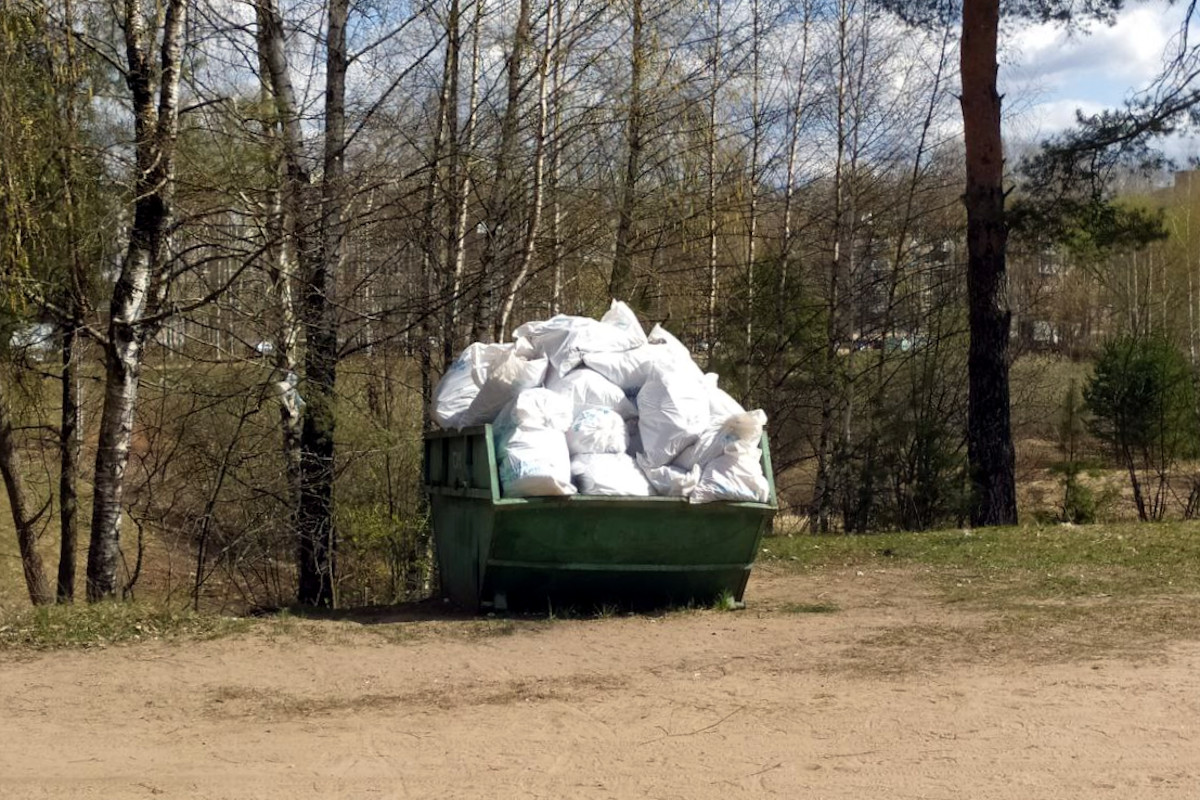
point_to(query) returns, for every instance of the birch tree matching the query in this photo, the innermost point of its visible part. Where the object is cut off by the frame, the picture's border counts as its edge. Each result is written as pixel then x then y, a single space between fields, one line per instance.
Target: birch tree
pixel 153 50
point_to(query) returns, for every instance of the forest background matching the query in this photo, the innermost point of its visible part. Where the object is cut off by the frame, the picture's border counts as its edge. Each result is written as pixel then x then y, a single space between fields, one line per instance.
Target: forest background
pixel 242 240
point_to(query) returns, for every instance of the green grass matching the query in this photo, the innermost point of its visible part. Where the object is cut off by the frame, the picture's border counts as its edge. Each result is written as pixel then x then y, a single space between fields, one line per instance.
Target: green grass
pixel 1111 560
pixel 725 602
pixel 809 608
pixel 103 624
pixel 1039 594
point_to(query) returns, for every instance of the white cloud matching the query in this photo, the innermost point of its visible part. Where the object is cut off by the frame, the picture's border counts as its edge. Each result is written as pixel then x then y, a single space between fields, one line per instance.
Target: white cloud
pixel 1046 118
pixel 1047 73
pixel 1101 64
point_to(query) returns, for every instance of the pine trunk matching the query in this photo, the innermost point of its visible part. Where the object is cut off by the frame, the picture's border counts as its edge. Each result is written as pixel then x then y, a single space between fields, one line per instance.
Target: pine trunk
pixel 989 434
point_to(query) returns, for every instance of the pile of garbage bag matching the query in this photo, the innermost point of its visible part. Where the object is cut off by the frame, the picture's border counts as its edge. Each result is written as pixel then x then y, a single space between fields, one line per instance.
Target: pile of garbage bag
pixel 599 407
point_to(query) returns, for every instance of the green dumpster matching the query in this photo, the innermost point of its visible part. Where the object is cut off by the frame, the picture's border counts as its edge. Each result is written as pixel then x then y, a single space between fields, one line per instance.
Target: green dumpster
pixel 579 551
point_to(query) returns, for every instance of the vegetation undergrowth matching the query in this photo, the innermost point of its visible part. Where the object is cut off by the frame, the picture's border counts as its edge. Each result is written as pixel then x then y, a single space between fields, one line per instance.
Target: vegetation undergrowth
pixel 110 623
pixel 1036 563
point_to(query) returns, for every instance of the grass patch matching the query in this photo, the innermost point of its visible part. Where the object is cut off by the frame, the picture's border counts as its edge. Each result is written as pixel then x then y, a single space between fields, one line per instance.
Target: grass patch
pixel 1055 593
pixel 103 624
pixel 809 608
pixel 1120 560
pixel 725 601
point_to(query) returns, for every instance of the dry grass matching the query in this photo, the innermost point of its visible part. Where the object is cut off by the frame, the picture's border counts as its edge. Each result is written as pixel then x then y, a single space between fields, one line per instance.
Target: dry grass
pixel 1037 594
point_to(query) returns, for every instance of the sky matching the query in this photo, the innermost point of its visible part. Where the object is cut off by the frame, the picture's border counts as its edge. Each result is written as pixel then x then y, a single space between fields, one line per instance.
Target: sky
pixel 1047 73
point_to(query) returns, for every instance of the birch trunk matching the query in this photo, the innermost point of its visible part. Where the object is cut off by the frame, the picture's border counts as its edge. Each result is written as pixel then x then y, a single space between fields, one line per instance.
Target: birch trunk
pixel 141 284
pixel 752 234
pixel 497 251
pixel 283 357
pixel 797 109
pixel 529 244
pixel 281 224
pixel 460 203
pixel 431 252
pixel 710 327
pixel 555 147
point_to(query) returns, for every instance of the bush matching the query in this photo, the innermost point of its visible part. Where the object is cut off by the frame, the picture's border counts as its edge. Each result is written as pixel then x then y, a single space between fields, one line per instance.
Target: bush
pixel 1079 503
pixel 1142 402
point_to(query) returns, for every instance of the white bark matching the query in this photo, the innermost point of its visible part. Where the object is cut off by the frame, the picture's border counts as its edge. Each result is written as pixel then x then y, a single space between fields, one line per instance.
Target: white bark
pixel 752 234
pixel 460 203
pixel 141 285
pixel 714 78
pixel 555 146
pixel 529 245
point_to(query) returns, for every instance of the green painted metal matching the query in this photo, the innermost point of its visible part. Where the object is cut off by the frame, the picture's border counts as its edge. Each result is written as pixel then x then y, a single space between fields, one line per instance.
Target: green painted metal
pixel 555 551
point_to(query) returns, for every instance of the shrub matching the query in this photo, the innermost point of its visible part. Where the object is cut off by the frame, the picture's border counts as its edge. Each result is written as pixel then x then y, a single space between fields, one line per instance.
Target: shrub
pixel 1142 402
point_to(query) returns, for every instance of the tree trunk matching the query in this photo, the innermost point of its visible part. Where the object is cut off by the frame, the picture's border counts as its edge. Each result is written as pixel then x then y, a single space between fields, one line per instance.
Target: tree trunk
pixel 752 233
pixel 555 147
pixel 68 474
pixel 75 310
pixel 497 248
pixel 40 593
pixel 989 435
pixel 787 245
pixel 283 220
pixel 123 366
pixel 460 203
pixel 317 538
pixel 620 285
pixel 431 252
pixel 141 284
pixel 710 315
pixel 824 487
pixel 529 242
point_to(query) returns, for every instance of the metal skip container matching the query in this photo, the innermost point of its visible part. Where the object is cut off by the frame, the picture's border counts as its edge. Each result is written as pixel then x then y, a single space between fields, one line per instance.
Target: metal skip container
pixel 539 552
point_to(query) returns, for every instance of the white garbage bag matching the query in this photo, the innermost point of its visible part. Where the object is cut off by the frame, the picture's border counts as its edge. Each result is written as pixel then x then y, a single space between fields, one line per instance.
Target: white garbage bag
pixel 531 445
pixel 597 430
pixel 672 413
pixel 566 339
pixel 680 355
pixel 634 437
pixel 669 480
pixel 721 403
pixel 587 388
pixel 621 316
pixel 719 437
pixel 535 464
pixel 534 408
pixel 460 384
pixel 609 474
pixel 508 378
pixel 736 476
pixel 630 369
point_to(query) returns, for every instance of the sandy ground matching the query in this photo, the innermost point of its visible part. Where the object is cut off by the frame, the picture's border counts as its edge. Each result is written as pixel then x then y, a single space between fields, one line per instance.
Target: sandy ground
pixel 874 700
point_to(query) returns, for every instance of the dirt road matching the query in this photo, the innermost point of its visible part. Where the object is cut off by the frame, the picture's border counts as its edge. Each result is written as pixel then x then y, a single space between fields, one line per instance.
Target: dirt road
pixel 889 694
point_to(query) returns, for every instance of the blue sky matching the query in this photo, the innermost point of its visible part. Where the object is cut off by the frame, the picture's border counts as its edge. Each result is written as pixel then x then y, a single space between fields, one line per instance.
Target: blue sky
pixel 1047 73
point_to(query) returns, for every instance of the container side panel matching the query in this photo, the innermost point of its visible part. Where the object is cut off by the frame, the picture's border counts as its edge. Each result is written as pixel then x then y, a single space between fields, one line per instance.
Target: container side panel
pixel 674 534
pixel 539 588
pixel 459 525
pixel 481 474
